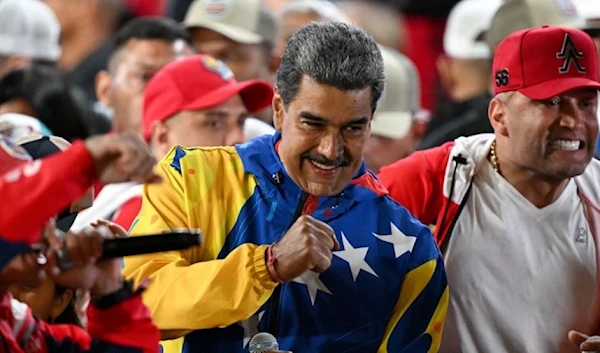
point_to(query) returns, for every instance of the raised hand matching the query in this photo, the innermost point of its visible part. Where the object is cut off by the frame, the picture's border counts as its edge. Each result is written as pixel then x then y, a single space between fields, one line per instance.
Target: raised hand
pixel 84 248
pixel 307 245
pixel 122 157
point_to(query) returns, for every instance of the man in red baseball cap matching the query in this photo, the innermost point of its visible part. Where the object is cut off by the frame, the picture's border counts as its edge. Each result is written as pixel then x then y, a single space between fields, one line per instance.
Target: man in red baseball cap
pixel 196 101
pixel 516 212
pixel 193 101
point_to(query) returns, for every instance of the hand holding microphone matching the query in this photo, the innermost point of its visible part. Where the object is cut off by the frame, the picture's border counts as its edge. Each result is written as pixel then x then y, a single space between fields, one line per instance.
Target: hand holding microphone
pixel 83 249
pixel 307 245
pixel 90 259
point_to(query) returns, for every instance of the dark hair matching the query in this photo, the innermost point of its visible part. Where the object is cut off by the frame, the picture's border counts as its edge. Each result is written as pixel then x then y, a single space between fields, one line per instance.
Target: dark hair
pixel 69 315
pixel 331 53
pixel 149 28
pixel 50 96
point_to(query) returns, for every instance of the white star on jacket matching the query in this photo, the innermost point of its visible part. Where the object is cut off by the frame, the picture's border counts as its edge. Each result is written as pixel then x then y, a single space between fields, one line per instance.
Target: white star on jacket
pixel 355 257
pixel 313 284
pixel 402 243
pixel 250 326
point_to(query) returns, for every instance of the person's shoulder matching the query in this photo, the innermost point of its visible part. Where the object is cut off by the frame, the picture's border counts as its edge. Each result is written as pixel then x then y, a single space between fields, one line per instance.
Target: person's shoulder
pixel 194 153
pixel 431 159
pixel 390 211
pixel 401 221
pixel 435 156
pixel 594 166
pixel 189 159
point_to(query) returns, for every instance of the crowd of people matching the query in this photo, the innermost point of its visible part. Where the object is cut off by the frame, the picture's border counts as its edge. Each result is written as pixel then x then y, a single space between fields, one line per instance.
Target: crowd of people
pixel 341 209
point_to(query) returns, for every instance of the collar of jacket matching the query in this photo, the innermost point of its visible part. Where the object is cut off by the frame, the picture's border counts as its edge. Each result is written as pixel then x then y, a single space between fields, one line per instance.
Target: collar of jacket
pixel 261 159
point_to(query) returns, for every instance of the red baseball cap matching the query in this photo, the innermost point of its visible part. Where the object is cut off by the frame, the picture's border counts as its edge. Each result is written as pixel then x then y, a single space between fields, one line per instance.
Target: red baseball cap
pixel 194 83
pixel 545 62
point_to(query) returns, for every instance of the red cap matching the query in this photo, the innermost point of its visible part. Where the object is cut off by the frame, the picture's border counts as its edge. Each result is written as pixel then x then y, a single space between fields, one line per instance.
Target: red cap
pixel 545 62
pixel 194 83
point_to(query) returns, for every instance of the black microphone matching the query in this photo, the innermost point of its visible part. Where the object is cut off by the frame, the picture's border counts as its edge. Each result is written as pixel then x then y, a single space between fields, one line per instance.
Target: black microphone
pixel 138 245
pixel 148 244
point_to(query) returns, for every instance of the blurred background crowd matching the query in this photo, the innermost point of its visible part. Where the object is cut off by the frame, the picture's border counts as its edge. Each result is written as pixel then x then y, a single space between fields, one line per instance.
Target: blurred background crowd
pixel 81 67
pixel 77 68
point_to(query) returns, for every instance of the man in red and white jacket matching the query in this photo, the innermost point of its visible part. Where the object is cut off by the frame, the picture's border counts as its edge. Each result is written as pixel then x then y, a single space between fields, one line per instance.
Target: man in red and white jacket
pixel 32 193
pixel 517 212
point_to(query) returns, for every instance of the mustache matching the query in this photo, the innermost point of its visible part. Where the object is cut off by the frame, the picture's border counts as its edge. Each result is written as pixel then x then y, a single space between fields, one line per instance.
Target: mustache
pixel 342 161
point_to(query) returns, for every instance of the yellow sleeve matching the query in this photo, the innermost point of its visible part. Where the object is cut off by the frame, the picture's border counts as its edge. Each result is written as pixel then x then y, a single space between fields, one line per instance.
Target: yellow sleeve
pixel 190 290
pixel 172 346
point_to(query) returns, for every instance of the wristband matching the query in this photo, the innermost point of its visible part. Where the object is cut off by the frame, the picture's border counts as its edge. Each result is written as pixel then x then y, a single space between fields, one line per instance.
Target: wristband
pixel 271 264
pixel 106 301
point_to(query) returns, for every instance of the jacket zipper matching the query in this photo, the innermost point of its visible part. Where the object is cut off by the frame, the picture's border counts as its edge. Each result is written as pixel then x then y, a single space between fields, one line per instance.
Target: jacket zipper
pixel 276 297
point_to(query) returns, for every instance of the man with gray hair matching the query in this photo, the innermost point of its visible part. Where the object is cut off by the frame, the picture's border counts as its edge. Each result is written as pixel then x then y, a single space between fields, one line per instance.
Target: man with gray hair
pixel 300 240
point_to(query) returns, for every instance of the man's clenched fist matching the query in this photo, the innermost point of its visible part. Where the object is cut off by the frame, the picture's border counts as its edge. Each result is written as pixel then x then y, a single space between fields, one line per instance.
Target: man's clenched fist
pixel 307 245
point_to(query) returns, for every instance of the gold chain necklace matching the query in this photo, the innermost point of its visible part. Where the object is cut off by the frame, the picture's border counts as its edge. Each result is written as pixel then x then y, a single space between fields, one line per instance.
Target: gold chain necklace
pixel 494 158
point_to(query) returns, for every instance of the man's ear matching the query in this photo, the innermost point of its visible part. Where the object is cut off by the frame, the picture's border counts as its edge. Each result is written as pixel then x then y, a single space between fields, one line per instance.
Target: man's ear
pixel 103 81
pixel 497 113
pixel 159 135
pixel 278 110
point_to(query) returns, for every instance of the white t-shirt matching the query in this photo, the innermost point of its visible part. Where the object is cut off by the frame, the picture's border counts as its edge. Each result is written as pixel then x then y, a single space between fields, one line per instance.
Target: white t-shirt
pixel 520 277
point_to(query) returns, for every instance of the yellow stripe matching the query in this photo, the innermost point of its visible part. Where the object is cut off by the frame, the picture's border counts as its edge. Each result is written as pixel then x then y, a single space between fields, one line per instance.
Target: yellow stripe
pixel 436 325
pixel 172 346
pixel 414 283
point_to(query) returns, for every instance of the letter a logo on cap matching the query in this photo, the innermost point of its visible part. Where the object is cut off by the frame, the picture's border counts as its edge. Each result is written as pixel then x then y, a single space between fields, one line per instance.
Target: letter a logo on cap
pixel 571 55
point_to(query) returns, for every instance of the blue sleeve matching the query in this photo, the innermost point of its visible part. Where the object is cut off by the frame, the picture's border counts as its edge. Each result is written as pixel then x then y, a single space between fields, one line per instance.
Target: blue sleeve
pixel 418 319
